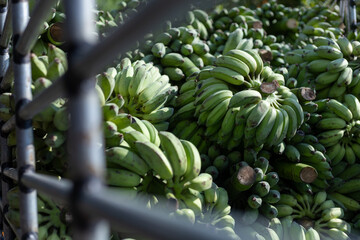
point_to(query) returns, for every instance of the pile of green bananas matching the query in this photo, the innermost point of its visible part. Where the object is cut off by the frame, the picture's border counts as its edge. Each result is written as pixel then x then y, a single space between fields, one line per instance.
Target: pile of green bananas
pixel 216 113
pixel 300 215
pixel 53 223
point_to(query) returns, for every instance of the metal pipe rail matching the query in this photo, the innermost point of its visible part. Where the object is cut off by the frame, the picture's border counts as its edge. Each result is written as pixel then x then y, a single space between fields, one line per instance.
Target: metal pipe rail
pixel 92 204
pixel 348 15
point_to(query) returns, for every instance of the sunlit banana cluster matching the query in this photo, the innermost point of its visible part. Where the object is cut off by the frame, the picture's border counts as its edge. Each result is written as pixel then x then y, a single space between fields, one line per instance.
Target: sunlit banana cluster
pixel 144 91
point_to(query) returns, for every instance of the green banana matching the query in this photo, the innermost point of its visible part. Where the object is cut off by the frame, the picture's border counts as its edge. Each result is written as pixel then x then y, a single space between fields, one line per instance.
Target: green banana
pixel 258 114
pixel 345 77
pixel 193 158
pixel 122 178
pixel 155 158
pixel 233 64
pixel 340 109
pixel 244 57
pixel 175 153
pixel 329 52
pixel 345 46
pixel 228 75
pixel 337 65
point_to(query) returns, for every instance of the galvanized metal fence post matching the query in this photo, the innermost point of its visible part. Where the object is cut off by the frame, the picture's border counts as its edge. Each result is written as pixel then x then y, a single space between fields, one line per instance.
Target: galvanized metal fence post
pixel 3 11
pixel 5 155
pixel 6 31
pixel 85 138
pixel 25 149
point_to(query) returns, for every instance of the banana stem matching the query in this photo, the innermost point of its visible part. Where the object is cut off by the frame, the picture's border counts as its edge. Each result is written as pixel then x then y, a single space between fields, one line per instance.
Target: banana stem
pixel 44 210
pixel 318 222
pixel 298 216
pixel 44 219
pixel 321 225
pixel 307 205
pixel 298 206
pixel 313 208
pixel 62 230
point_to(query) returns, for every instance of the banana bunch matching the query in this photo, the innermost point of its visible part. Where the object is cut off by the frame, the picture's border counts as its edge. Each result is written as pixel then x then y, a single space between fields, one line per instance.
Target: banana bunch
pixel 216 211
pixel 179 52
pixel 302 159
pixel 232 120
pixel 344 194
pixel 166 166
pixel 337 129
pixel 256 229
pixel 285 22
pixel 268 115
pixel 230 19
pixel 51 218
pixel 49 66
pixel 139 90
pixel 160 164
pixel 253 188
pixel 324 66
pixel 310 217
pixel 235 28
pixel 236 40
pixel 345 190
pixel 177 162
pixel 327 23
